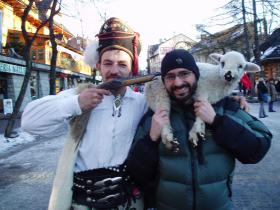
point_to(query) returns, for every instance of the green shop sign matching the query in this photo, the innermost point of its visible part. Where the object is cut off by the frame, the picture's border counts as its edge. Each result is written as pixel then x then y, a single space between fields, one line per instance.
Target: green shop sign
pixel 10 68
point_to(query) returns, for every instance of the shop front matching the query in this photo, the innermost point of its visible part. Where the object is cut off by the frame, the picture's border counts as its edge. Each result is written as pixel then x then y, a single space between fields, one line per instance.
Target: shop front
pixel 3 91
pixel 11 77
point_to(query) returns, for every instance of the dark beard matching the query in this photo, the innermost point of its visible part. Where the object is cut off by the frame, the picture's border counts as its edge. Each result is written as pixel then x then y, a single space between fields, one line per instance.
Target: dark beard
pixel 188 99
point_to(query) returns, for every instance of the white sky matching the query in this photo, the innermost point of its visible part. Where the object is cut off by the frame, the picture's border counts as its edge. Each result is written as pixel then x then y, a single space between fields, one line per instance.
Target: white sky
pixel 153 19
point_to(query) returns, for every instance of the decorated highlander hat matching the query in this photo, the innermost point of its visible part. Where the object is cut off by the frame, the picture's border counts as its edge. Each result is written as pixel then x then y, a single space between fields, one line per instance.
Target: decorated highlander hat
pixel 114 34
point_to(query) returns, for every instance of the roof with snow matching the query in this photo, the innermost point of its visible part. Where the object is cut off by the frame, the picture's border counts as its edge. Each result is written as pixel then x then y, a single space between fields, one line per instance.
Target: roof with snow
pixel 272 40
pixel 272 53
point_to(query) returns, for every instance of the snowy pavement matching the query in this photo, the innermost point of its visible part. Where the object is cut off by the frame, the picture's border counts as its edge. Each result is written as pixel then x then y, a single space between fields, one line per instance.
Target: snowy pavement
pixel 27 173
pixel 7 144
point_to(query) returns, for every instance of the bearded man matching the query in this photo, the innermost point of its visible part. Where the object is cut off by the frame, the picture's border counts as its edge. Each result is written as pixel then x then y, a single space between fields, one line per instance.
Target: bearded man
pixel 199 177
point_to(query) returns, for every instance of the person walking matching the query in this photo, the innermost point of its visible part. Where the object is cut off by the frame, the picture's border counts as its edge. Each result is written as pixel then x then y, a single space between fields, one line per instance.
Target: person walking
pixel 273 94
pixel 261 90
pixel 277 86
pixel 100 125
pixel 196 177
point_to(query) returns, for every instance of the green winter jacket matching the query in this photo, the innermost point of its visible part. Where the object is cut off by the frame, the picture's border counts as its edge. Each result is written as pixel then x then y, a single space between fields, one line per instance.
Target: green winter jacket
pixel 197 178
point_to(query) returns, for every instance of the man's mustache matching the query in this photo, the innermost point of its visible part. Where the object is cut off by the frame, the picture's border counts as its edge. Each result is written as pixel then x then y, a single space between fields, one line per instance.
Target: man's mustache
pixel 181 86
pixel 114 76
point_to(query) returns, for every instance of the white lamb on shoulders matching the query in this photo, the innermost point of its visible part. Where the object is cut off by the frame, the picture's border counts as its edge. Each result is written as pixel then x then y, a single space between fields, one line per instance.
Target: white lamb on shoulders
pixel 215 82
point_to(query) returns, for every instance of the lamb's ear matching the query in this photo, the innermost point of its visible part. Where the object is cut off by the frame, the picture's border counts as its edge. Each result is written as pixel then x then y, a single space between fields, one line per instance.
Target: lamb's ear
pixel 216 57
pixel 251 67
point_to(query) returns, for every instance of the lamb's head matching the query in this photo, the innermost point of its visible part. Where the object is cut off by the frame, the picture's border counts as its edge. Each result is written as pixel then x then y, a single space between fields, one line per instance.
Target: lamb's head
pixel 232 66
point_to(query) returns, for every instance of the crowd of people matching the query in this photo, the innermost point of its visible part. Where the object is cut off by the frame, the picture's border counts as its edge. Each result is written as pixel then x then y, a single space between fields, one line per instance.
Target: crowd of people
pixel 113 157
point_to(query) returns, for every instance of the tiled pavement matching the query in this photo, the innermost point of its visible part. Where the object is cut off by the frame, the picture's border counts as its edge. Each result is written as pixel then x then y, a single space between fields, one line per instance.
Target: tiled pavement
pixel 257 187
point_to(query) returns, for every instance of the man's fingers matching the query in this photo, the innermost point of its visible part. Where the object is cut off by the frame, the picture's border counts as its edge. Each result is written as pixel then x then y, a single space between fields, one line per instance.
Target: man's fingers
pixel 97 96
pixel 100 91
pixel 160 110
pixel 91 97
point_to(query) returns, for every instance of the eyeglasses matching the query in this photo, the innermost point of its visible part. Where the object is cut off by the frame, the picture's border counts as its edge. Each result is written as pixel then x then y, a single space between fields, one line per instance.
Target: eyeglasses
pixel 170 77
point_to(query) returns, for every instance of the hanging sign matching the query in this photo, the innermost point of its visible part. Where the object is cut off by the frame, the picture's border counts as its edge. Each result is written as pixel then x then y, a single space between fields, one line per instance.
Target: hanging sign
pixel 10 68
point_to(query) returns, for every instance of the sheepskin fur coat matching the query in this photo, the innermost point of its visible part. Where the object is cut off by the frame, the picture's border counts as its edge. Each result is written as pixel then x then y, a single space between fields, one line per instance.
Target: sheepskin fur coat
pixel 61 195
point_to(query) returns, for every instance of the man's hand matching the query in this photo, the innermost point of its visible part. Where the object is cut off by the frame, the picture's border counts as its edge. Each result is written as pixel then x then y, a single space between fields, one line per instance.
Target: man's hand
pixel 160 118
pixel 204 111
pixel 91 97
pixel 242 102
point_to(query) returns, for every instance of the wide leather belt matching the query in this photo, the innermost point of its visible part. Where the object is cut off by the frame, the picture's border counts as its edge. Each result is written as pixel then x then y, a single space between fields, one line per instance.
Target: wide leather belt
pixel 104 188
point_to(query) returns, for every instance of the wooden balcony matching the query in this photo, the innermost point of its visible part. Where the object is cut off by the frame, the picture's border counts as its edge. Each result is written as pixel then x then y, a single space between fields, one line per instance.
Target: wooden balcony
pixel 18 7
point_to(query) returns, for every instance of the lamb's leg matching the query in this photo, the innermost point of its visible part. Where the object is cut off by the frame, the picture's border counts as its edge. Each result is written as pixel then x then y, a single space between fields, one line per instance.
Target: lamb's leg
pixel 197 132
pixel 200 128
pixel 168 139
pixel 158 98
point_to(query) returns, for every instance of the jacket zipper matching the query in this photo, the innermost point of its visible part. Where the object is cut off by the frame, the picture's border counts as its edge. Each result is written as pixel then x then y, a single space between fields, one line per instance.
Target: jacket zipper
pixel 193 175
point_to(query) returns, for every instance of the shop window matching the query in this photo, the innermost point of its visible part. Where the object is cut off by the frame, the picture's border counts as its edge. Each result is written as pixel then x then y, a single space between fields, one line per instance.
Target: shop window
pixel 16 45
pixel 34 55
pixel 33 86
pixel 3 91
pixel 14 38
pixel 49 55
pixel 57 85
pixel 41 54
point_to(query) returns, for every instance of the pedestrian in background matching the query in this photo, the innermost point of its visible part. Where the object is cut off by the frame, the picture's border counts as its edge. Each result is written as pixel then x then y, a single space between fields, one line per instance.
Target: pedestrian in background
pixel 277 85
pixel 197 177
pixel 273 94
pixel 90 173
pixel 261 90
pixel 246 84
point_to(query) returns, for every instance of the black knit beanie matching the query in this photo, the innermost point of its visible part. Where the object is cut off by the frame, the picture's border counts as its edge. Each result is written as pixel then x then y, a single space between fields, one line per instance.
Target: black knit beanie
pixel 178 58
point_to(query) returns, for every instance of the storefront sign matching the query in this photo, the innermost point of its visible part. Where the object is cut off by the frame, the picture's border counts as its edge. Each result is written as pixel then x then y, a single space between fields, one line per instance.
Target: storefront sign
pixel 10 68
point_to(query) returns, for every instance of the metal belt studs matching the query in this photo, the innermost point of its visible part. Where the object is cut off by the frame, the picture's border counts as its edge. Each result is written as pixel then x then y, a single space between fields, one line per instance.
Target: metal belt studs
pixel 108 182
pixel 106 189
pixel 109 198
pixel 117 106
pixel 105 192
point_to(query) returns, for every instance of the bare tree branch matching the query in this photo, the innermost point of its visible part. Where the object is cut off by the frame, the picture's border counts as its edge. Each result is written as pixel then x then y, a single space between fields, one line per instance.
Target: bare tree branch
pixel 54 47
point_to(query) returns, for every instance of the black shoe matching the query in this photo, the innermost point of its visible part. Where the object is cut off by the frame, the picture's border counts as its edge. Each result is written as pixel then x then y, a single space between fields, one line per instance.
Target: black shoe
pixel 272 111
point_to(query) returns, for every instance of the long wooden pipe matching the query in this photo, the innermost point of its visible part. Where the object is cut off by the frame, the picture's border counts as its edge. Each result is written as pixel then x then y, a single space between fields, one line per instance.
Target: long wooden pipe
pixel 121 82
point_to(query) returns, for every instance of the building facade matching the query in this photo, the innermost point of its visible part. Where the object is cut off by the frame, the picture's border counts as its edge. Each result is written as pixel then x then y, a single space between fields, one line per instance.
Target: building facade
pixel 70 66
pixel 270 55
pixel 157 52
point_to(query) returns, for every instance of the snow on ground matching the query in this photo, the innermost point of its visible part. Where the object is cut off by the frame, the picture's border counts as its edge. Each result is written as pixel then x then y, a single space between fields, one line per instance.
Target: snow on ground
pixel 8 143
